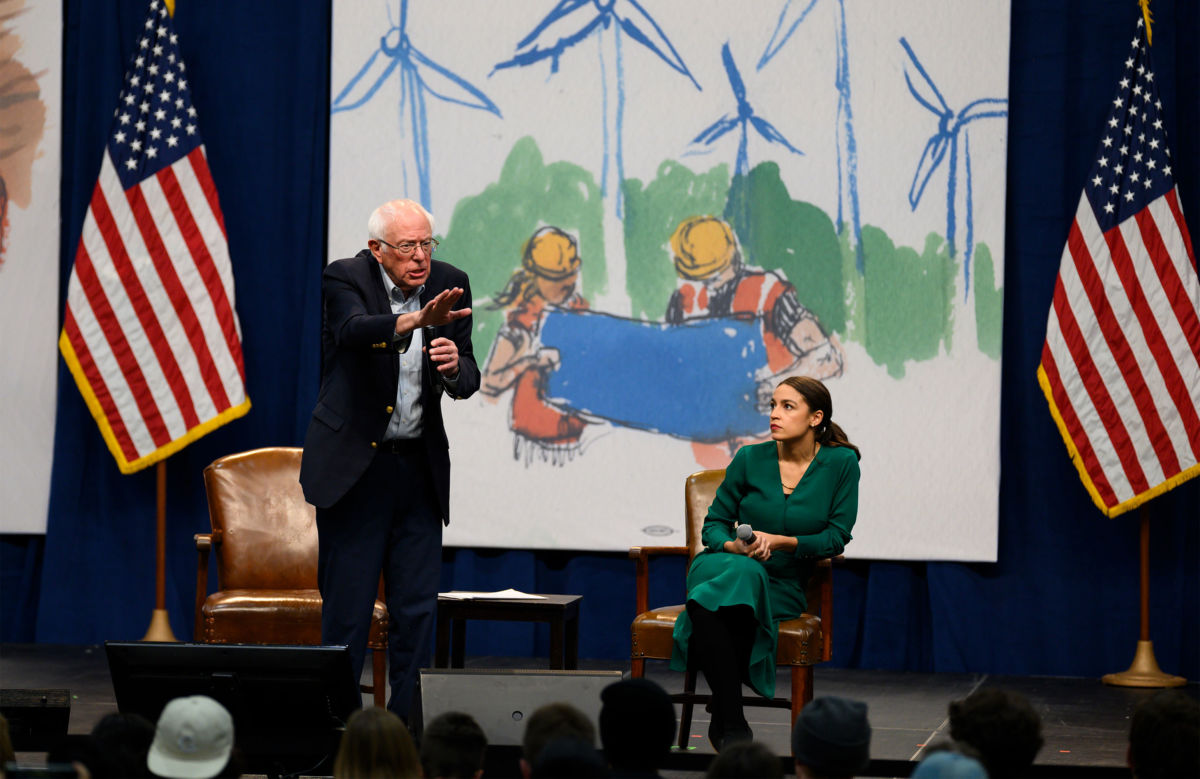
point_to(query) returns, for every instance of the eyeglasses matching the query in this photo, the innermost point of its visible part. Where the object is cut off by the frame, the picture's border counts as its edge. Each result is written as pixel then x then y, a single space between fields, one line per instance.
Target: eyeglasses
pixel 406 248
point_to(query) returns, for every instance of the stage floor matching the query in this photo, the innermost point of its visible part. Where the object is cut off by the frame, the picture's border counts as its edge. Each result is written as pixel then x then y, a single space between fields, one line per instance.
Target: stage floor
pixel 1085 723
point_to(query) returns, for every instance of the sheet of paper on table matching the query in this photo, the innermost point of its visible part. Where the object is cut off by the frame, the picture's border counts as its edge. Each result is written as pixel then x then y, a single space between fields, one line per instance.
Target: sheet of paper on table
pixel 501 595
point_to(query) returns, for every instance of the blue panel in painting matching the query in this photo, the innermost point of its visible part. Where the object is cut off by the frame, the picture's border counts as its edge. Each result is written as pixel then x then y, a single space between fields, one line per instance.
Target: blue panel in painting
pixel 694 380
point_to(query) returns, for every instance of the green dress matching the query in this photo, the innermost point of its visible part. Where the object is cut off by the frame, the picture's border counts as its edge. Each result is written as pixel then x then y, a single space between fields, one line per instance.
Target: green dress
pixel 820 513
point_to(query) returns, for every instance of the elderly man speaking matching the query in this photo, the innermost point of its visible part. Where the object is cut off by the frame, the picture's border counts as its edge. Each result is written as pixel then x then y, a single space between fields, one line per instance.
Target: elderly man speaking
pixel 396 336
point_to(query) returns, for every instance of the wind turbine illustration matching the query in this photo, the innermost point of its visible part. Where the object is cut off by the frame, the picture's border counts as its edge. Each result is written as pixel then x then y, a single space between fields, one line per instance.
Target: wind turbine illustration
pixel 742 118
pixel 569 23
pixel 790 19
pixel 950 126
pixel 419 76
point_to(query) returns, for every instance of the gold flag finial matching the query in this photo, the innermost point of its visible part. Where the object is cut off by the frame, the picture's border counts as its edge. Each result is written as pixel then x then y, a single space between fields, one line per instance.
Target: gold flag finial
pixel 170 4
pixel 1145 4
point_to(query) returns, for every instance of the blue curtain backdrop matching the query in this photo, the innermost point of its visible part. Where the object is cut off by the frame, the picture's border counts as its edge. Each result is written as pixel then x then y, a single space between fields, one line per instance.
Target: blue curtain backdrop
pixel 1063 598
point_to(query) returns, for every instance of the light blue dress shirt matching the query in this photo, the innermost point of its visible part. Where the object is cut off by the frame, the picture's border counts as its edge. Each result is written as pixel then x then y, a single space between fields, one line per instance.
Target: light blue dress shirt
pixel 406 415
pixel 405 421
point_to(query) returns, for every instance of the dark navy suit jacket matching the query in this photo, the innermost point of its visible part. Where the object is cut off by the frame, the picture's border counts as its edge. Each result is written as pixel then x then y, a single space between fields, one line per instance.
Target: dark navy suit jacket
pixel 359 375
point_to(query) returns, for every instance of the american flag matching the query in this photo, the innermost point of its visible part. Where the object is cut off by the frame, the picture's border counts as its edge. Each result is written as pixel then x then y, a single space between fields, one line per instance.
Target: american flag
pixel 1121 363
pixel 150 332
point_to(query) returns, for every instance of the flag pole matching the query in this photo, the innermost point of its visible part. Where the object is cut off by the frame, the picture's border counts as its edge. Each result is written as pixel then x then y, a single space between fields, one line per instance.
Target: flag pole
pixel 1144 672
pixel 193 339
pixel 160 622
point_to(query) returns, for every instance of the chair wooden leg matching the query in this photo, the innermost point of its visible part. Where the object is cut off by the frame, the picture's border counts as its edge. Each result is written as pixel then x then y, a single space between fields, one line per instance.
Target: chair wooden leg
pixel 802 688
pixel 685 716
pixel 379 679
pixel 637 668
pixel 379 676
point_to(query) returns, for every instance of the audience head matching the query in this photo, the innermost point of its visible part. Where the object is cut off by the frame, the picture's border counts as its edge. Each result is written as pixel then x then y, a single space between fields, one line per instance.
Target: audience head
pixel 192 740
pixel 376 745
pixel 1164 736
pixel 568 757
pixel 949 764
pixel 125 740
pixel 553 722
pixel 1002 726
pixel 832 738
pixel 637 724
pixel 453 747
pixel 745 760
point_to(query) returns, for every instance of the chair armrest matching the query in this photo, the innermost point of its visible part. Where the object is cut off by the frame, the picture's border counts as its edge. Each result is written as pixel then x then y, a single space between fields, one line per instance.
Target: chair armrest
pixel 204 543
pixel 641 556
pixel 653 551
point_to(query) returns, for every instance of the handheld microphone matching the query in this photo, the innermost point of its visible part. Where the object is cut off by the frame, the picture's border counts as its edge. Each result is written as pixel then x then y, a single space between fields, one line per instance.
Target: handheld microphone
pixel 745 534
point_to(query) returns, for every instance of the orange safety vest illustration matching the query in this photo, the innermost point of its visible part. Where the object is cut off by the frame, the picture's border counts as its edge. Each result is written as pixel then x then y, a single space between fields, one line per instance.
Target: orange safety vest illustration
pixel 755 293
pixel 532 416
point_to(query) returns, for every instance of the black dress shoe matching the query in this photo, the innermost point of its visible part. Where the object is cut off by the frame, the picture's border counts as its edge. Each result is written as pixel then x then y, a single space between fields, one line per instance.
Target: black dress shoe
pixel 734 735
pixel 720 737
pixel 716 733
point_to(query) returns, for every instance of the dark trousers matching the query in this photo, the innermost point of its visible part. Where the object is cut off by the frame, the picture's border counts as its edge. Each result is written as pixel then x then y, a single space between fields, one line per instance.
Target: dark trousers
pixel 387 523
pixel 720 649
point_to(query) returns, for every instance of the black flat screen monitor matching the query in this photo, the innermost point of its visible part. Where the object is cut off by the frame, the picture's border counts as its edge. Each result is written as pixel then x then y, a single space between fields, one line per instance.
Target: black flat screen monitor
pixel 289 703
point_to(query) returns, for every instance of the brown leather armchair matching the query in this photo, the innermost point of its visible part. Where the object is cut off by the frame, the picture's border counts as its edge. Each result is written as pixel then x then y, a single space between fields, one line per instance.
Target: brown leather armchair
pixel 264 535
pixel 803 641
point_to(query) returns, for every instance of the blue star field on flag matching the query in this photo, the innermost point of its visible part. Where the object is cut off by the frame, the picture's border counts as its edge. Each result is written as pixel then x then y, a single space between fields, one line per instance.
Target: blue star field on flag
pixel 155 121
pixel 1133 165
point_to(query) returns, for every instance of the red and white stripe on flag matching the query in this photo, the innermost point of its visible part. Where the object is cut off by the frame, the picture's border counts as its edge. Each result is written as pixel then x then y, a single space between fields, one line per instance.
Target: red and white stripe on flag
pixel 150 332
pixel 1121 363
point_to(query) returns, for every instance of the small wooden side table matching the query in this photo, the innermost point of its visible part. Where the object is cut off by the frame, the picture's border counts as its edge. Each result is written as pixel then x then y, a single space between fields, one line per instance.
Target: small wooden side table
pixel 561 611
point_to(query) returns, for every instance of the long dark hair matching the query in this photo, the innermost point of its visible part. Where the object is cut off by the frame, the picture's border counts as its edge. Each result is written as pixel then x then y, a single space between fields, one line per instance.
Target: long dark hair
pixel 816 395
pixel 376 744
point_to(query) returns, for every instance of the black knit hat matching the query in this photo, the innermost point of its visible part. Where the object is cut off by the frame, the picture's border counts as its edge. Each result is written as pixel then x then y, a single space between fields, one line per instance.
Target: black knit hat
pixel 832 736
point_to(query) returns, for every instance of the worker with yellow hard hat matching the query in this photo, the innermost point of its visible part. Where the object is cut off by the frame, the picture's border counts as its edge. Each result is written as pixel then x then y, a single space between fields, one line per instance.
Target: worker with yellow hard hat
pixel 703 246
pixel 549 269
pixel 713 281
pixel 548 277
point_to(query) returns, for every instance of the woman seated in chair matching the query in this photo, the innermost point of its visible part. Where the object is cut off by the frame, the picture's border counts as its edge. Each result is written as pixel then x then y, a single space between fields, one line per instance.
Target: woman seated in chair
pixel 799 494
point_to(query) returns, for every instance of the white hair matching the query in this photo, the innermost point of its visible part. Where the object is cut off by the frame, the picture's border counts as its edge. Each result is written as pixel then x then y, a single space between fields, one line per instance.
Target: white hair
pixel 381 217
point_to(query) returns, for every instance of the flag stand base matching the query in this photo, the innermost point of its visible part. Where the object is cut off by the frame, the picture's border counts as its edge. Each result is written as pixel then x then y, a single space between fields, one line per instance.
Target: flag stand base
pixel 160 628
pixel 1144 672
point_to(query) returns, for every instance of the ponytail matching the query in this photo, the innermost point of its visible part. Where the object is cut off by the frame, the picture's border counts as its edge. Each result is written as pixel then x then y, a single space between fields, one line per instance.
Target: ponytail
pixel 521 285
pixel 830 433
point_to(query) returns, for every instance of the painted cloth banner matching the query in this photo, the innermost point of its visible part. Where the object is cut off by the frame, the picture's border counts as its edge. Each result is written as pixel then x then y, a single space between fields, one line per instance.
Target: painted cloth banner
pixel 31 115
pixel 150 332
pixel 1121 364
pixel 667 206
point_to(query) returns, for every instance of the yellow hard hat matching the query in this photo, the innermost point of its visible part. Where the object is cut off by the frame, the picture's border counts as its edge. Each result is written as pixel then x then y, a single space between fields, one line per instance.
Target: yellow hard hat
pixel 703 245
pixel 551 254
